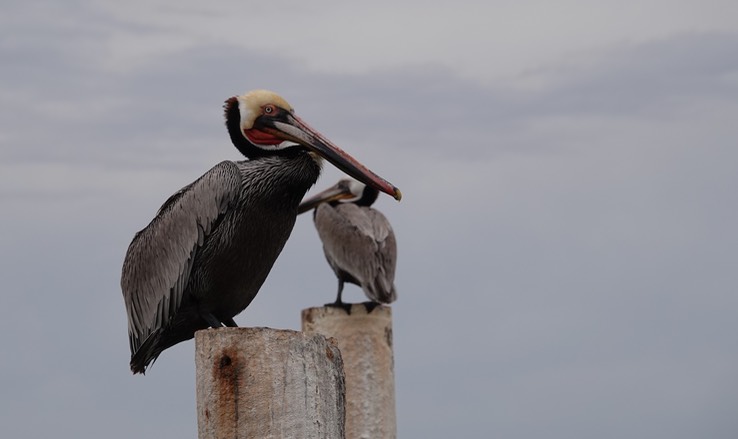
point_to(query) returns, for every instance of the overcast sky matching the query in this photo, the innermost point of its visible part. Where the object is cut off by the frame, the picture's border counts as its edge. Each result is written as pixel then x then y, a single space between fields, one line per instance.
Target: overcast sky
pixel 568 253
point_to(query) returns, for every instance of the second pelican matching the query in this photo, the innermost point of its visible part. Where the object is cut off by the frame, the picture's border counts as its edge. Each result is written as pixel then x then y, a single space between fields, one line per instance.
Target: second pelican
pixel 358 241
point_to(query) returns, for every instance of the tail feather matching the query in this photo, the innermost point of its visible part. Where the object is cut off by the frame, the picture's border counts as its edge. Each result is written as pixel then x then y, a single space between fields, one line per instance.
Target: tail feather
pixel 147 353
pixel 381 291
pixel 182 328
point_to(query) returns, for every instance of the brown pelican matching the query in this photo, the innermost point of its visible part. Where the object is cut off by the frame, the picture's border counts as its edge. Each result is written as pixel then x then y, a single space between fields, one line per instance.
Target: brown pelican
pixel 211 245
pixel 358 241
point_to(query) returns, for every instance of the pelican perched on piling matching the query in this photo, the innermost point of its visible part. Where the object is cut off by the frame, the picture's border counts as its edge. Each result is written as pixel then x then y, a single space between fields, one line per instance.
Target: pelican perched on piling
pixel 211 245
pixel 358 241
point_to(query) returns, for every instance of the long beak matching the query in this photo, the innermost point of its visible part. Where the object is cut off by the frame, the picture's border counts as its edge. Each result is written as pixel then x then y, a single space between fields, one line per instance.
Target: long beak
pixel 333 193
pixel 295 130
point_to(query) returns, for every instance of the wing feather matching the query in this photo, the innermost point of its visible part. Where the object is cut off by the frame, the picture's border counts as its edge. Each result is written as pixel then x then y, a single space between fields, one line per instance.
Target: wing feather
pixel 360 241
pixel 159 260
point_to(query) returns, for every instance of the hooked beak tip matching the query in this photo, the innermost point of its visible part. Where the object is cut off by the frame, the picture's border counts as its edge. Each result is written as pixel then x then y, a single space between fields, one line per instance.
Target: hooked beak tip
pixel 398 194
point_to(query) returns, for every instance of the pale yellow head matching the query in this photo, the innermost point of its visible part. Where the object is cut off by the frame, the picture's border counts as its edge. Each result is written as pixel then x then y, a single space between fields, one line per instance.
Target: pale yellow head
pixel 259 102
pixel 262 123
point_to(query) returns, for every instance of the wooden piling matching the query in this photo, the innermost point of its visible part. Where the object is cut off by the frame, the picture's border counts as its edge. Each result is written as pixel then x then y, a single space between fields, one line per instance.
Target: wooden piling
pixel 365 340
pixel 268 383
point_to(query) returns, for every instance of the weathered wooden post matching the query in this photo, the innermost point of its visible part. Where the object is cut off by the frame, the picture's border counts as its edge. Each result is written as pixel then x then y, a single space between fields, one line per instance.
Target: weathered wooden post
pixel 268 383
pixel 365 340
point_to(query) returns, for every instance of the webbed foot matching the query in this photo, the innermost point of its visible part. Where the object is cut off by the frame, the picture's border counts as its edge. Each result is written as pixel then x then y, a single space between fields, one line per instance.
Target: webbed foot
pixel 370 306
pixel 337 304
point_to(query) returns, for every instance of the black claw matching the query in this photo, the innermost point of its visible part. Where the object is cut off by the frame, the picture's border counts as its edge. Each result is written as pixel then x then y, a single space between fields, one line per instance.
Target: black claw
pixel 211 320
pixel 345 306
pixel 230 323
pixel 370 306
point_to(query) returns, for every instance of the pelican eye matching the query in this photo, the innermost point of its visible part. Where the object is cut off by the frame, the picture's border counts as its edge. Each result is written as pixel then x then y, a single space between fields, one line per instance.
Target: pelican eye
pixel 269 109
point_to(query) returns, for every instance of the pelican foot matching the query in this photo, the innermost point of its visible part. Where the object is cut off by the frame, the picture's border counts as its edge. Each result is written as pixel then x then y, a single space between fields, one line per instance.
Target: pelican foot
pixel 344 306
pixel 211 320
pixel 370 306
pixel 230 323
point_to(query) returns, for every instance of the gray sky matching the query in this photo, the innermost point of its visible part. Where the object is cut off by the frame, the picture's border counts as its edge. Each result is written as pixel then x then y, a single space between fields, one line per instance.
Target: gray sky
pixel 568 249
